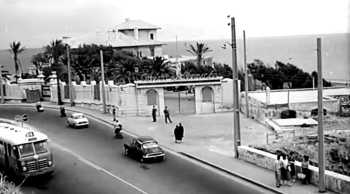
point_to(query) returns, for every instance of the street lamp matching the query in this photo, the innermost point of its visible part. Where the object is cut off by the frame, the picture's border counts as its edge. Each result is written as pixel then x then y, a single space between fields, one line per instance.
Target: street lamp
pixel 103 83
pixel 236 121
pixel 70 88
pixel 2 86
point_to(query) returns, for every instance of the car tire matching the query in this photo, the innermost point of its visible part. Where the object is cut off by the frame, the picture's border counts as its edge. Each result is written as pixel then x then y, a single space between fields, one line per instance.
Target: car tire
pixel 126 152
pixel 142 160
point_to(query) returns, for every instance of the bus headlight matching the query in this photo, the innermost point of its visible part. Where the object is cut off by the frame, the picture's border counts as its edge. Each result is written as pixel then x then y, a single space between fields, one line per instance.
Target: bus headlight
pixel 50 163
pixel 24 168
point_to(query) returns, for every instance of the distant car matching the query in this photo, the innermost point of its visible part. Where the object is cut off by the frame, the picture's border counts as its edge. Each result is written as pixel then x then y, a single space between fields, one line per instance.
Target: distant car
pixel 77 120
pixel 144 148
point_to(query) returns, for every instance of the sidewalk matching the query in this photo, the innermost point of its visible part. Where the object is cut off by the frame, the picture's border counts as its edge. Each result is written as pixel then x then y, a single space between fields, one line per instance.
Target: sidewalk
pixel 207 138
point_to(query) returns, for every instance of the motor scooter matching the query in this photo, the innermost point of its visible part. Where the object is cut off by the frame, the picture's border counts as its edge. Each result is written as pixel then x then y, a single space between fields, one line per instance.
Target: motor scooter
pixel 63 111
pixel 39 108
pixel 117 131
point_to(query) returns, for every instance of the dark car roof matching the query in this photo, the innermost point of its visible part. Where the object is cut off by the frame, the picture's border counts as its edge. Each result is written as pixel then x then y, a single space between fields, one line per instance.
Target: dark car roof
pixel 144 139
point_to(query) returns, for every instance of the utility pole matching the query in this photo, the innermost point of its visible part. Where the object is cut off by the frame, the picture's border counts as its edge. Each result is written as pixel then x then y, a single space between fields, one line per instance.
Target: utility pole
pixel 236 124
pixel 321 154
pixel 103 83
pixel 2 87
pixel 245 75
pixel 70 89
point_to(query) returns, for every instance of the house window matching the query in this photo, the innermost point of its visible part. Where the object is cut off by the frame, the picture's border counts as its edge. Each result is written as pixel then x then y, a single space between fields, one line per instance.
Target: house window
pixel 207 94
pixel 152 51
pixel 151 36
pixel 152 97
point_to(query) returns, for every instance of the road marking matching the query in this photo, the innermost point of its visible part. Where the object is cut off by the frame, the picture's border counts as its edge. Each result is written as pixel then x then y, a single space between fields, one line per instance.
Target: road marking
pixel 97 167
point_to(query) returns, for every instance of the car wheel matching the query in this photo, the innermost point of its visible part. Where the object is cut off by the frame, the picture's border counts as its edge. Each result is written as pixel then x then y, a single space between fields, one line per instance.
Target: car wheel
pixel 126 152
pixel 142 160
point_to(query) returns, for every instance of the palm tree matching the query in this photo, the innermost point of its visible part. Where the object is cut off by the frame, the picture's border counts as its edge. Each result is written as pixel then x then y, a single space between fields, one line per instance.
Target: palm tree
pixel 56 50
pixel 161 68
pixel 199 50
pixel 15 49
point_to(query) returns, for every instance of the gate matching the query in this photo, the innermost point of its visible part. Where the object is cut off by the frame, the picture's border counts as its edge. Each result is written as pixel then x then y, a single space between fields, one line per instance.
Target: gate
pixel 45 91
pixel 207 100
pixel 180 102
pixel 33 95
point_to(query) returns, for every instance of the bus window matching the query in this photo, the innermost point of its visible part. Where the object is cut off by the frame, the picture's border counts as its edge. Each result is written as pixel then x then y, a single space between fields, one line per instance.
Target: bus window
pixel 26 149
pixel 2 148
pixel 14 152
pixel 40 147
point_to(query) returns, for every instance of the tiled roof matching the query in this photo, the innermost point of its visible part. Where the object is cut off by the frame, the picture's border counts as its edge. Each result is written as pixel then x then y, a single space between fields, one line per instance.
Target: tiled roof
pixel 131 24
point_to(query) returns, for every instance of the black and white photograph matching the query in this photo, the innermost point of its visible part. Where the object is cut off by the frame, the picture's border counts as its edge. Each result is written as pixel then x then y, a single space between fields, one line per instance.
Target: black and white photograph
pixel 174 96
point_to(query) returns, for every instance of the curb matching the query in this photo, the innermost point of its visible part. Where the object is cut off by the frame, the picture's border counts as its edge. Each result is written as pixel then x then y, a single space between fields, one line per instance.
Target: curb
pixel 232 173
pixel 181 153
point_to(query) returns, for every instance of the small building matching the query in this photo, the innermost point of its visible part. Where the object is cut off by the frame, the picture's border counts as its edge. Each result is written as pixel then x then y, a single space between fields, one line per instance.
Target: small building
pixel 270 103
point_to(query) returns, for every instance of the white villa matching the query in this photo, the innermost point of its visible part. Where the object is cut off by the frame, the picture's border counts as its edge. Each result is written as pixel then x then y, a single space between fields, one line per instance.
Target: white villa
pixel 136 36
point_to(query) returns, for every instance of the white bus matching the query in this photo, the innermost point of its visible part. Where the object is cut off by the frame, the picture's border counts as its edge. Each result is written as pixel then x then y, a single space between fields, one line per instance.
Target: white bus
pixel 24 152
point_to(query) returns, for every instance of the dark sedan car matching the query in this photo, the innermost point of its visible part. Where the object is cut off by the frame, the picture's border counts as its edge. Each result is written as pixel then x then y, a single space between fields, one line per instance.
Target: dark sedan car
pixel 144 148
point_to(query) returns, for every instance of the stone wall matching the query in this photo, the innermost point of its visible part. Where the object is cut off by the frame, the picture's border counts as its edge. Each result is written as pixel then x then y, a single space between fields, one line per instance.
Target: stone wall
pixel 130 100
pixel 123 97
pixel 335 182
pixel 17 92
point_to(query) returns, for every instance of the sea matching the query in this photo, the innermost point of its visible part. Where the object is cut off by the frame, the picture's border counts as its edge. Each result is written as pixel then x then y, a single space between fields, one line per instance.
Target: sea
pixel 298 50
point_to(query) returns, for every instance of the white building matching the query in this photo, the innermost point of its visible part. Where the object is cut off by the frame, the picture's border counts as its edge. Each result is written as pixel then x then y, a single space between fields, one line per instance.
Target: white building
pixel 136 36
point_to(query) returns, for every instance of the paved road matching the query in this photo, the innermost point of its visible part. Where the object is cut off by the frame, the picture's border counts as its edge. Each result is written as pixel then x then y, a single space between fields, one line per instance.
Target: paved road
pixel 91 161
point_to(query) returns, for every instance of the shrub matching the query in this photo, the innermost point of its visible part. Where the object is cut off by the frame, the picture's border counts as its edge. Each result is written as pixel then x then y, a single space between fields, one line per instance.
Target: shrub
pixel 7 187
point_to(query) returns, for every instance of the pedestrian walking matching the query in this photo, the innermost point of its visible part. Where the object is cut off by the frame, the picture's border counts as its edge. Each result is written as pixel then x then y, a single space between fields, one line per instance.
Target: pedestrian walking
pixel 181 132
pixel 154 113
pixel 292 168
pixel 305 170
pixel 167 115
pixel 176 133
pixel 113 112
pixel 278 170
pixel 284 170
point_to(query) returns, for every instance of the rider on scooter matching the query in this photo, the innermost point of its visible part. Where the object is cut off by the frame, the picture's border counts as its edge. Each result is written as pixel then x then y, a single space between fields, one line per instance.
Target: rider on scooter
pixel 117 127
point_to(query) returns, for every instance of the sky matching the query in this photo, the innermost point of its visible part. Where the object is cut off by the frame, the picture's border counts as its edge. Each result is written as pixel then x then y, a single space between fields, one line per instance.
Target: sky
pixel 36 22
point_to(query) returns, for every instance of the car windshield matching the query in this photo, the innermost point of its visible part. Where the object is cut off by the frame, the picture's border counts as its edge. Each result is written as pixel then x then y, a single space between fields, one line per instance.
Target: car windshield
pixel 78 117
pixel 151 147
pixel 26 149
pixel 40 147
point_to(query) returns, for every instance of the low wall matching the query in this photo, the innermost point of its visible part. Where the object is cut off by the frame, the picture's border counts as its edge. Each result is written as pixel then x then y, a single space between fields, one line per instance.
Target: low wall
pixel 335 182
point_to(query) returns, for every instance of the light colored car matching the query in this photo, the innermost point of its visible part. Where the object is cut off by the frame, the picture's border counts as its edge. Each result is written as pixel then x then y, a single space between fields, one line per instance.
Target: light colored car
pixel 77 120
